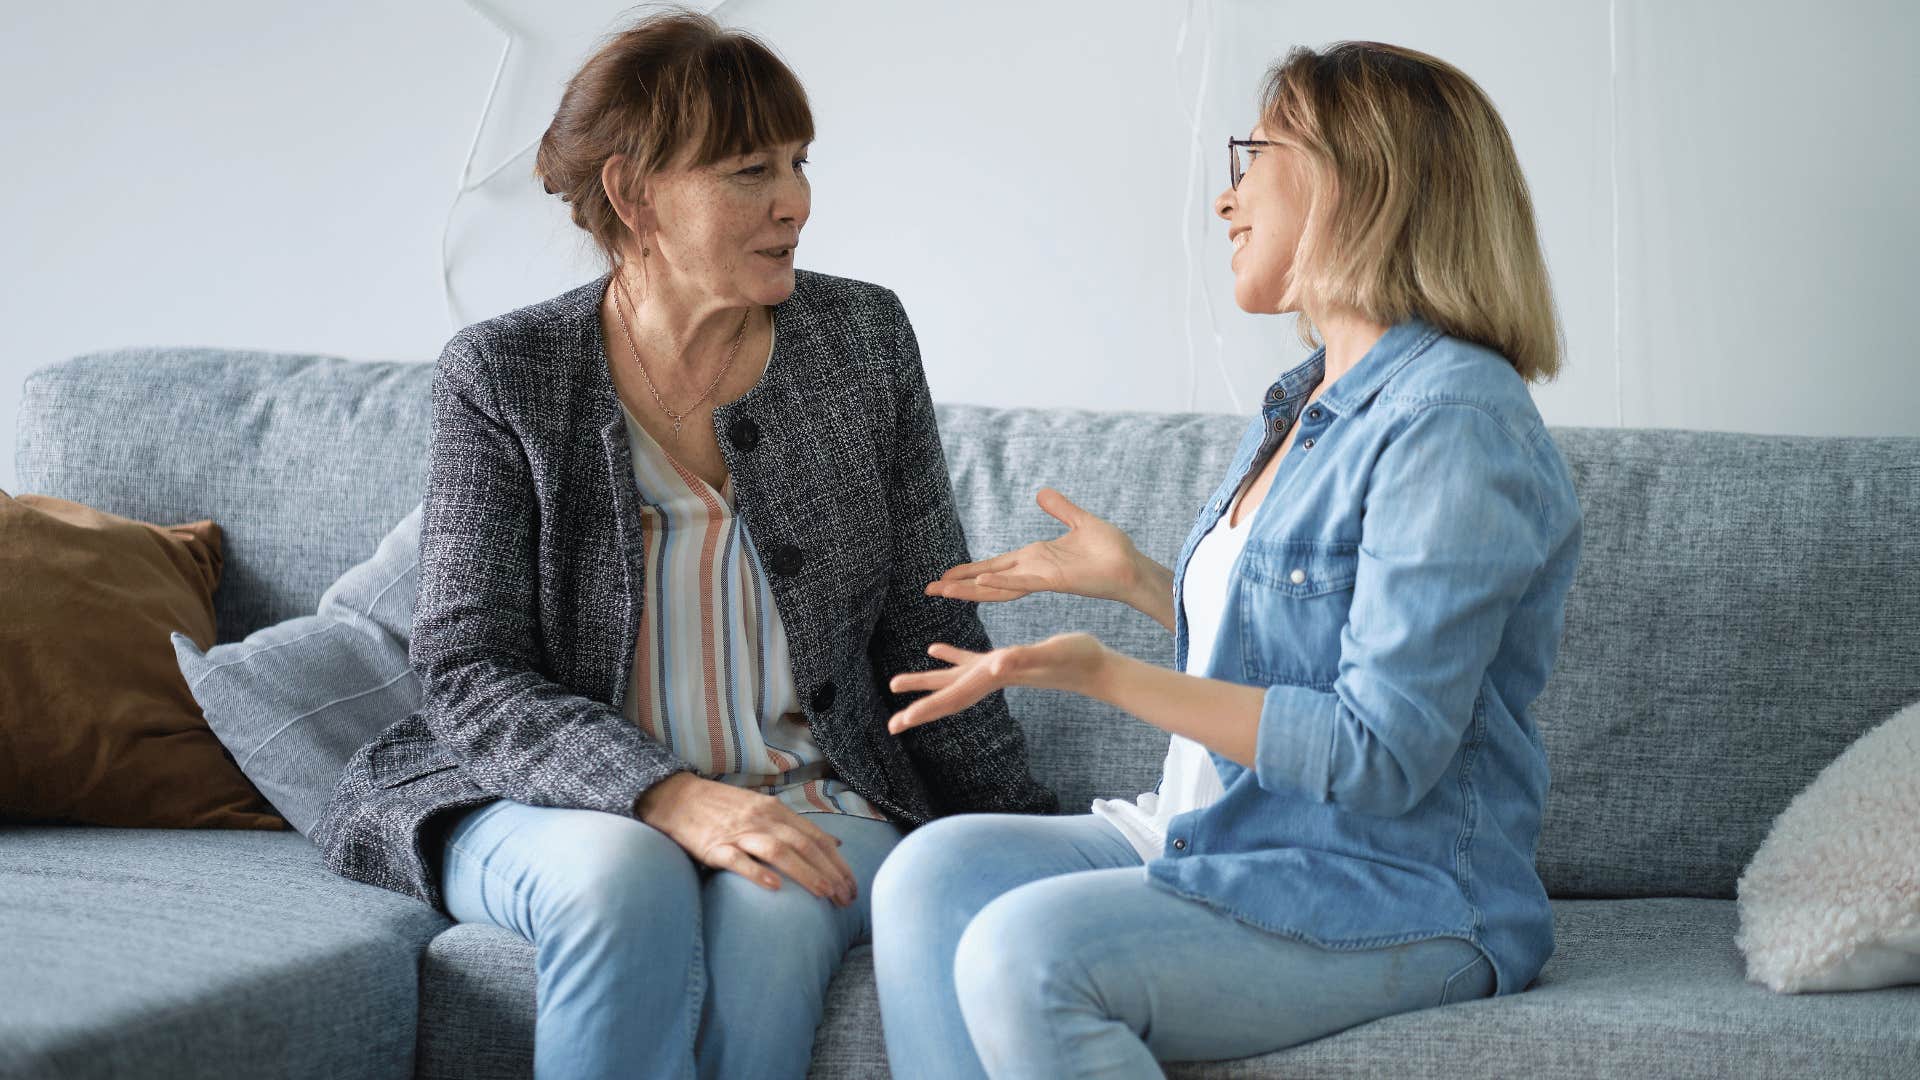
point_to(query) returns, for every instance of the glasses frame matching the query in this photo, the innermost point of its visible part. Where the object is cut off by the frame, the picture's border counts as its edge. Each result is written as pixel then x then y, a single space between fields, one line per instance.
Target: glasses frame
pixel 1234 174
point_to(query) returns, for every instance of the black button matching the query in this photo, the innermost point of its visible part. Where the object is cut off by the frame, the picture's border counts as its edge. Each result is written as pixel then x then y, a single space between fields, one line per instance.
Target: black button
pixel 744 433
pixel 1306 444
pixel 823 696
pixel 1179 845
pixel 785 560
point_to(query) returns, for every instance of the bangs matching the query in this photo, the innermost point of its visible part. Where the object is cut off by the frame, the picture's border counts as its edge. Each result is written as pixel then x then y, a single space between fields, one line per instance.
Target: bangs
pixel 750 101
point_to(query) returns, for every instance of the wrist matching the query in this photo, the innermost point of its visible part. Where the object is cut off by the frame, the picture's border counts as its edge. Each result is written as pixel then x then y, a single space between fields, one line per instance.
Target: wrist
pixel 1149 584
pixel 1101 672
pixel 657 800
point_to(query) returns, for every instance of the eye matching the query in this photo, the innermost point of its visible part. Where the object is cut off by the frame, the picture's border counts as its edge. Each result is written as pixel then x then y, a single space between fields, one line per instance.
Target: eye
pixel 800 164
pixel 752 170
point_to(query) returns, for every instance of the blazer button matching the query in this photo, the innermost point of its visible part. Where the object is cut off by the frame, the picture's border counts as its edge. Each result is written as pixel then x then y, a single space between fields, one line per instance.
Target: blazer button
pixel 744 433
pixel 823 696
pixel 785 560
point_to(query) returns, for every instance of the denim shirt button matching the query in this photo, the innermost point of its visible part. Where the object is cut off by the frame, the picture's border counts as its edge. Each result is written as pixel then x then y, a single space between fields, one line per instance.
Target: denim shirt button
pixel 1179 845
pixel 1306 444
pixel 1314 414
pixel 1298 577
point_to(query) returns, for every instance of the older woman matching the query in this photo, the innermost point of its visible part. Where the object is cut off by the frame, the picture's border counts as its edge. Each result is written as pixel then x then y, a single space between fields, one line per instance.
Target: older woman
pixel 677 524
pixel 1363 614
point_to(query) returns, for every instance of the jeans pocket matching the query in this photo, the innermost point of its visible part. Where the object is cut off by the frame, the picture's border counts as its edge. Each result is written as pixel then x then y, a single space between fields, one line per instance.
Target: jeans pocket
pixel 1470 983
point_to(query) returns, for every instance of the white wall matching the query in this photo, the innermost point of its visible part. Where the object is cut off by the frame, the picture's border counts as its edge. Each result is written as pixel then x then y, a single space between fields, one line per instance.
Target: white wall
pixel 1725 189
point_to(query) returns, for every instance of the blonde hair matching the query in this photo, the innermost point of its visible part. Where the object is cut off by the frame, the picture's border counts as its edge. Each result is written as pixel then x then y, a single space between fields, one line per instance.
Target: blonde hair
pixel 1417 203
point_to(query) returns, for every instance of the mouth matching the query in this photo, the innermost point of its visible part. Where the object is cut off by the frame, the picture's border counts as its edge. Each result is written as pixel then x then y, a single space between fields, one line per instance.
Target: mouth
pixel 784 253
pixel 1239 238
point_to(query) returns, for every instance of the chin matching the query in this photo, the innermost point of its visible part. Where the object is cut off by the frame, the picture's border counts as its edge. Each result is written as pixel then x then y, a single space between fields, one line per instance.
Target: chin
pixel 1257 294
pixel 1248 298
pixel 772 290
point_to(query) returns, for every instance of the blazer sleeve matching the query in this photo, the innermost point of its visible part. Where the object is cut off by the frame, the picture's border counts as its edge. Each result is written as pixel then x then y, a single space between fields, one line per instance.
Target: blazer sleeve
pixel 975 760
pixel 475 642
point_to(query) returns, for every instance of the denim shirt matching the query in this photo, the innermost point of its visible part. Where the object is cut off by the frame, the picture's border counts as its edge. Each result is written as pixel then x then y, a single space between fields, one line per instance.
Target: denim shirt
pixel 1400 599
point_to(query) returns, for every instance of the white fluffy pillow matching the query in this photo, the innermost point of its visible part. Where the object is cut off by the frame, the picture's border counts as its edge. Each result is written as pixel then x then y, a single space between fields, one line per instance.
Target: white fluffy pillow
pixel 1831 901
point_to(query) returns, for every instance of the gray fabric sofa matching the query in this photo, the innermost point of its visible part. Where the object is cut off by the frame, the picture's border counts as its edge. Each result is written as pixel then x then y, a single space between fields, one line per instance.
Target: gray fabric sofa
pixel 1746 607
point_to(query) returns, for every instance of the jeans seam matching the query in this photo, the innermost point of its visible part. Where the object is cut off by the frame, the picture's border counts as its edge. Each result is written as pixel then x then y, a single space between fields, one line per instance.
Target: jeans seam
pixel 696 989
pixel 486 869
pixel 1446 988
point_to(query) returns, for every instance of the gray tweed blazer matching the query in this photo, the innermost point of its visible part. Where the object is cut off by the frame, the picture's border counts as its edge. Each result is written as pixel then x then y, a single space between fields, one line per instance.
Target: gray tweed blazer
pixel 530 580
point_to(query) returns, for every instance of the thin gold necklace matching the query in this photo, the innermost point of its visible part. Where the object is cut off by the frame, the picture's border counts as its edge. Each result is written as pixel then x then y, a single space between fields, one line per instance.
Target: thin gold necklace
pixel 678 418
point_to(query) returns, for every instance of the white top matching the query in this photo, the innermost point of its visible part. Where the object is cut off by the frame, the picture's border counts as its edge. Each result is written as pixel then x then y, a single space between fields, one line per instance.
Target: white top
pixel 1188 780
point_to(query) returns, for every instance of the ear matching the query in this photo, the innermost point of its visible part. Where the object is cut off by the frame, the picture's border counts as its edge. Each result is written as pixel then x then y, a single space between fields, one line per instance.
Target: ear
pixel 631 202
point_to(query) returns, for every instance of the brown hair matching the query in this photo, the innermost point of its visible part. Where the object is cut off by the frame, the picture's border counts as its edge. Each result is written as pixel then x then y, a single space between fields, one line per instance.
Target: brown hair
pixel 1418 206
pixel 674 88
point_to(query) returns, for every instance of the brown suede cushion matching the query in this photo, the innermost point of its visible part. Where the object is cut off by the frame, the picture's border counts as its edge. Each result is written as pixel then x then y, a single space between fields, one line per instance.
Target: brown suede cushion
pixel 96 723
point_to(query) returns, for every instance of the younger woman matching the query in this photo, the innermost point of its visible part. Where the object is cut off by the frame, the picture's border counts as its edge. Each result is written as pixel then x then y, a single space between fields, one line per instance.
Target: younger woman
pixel 1362 615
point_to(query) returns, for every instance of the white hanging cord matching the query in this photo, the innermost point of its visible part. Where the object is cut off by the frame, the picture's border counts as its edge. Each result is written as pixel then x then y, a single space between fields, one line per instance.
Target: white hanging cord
pixel 467 182
pixel 1195 169
pixel 1613 179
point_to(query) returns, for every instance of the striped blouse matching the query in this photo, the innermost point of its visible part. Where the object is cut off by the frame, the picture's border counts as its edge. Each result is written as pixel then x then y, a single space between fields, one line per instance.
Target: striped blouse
pixel 711 677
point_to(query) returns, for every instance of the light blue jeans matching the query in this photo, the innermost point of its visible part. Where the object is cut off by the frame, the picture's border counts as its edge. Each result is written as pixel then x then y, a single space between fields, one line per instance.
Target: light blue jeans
pixel 1012 946
pixel 648 964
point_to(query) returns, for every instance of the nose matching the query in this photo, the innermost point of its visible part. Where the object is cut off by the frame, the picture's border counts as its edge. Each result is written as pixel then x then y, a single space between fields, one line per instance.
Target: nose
pixel 1224 205
pixel 793 200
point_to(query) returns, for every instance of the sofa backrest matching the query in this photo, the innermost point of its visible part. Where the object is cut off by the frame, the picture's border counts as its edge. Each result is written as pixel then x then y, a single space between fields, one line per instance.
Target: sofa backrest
pixel 1746 606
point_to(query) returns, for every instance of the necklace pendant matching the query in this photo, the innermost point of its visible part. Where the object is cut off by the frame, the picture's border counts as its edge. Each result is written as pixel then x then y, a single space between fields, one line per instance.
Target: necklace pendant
pixel 676 427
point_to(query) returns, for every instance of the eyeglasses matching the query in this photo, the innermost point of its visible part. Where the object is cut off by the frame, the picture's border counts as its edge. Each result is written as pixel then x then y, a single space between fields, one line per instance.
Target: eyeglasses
pixel 1235 170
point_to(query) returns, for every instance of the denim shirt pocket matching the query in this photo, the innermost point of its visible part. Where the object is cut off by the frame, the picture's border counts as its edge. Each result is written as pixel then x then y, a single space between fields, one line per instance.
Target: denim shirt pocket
pixel 1295 596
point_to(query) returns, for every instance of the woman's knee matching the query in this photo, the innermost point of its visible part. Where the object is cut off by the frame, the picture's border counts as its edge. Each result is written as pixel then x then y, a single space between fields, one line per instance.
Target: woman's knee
pixel 932 864
pixel 1017 954
pixel 624 875
pixel 786 926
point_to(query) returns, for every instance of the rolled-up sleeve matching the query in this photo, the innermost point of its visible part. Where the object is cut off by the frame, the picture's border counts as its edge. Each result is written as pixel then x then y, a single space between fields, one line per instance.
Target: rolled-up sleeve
pixel 1453 535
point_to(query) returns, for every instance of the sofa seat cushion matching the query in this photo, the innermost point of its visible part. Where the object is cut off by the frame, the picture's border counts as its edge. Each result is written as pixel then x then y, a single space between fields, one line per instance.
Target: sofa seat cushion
pixel 1635 988
pixel 173 953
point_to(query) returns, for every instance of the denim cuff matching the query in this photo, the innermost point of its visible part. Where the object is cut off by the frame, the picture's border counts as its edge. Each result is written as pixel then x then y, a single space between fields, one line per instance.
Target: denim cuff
pixel 1294 747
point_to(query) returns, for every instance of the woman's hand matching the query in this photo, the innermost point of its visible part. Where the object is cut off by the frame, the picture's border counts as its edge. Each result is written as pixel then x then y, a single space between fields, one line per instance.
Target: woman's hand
pixel 1092 559
pixel 750 834
pixel 1063 662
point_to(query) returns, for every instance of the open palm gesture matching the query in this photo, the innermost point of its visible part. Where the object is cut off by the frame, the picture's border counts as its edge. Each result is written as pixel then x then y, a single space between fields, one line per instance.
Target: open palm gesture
pixel 1062 662
pixel 1092 558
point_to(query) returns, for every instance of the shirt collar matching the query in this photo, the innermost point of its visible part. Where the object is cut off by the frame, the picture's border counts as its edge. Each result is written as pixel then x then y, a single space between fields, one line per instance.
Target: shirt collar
pixel 1399 345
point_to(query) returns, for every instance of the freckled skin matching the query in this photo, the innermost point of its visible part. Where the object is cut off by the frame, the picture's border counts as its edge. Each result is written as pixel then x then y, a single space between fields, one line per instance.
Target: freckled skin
pixel 702 228
pixel 708 220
